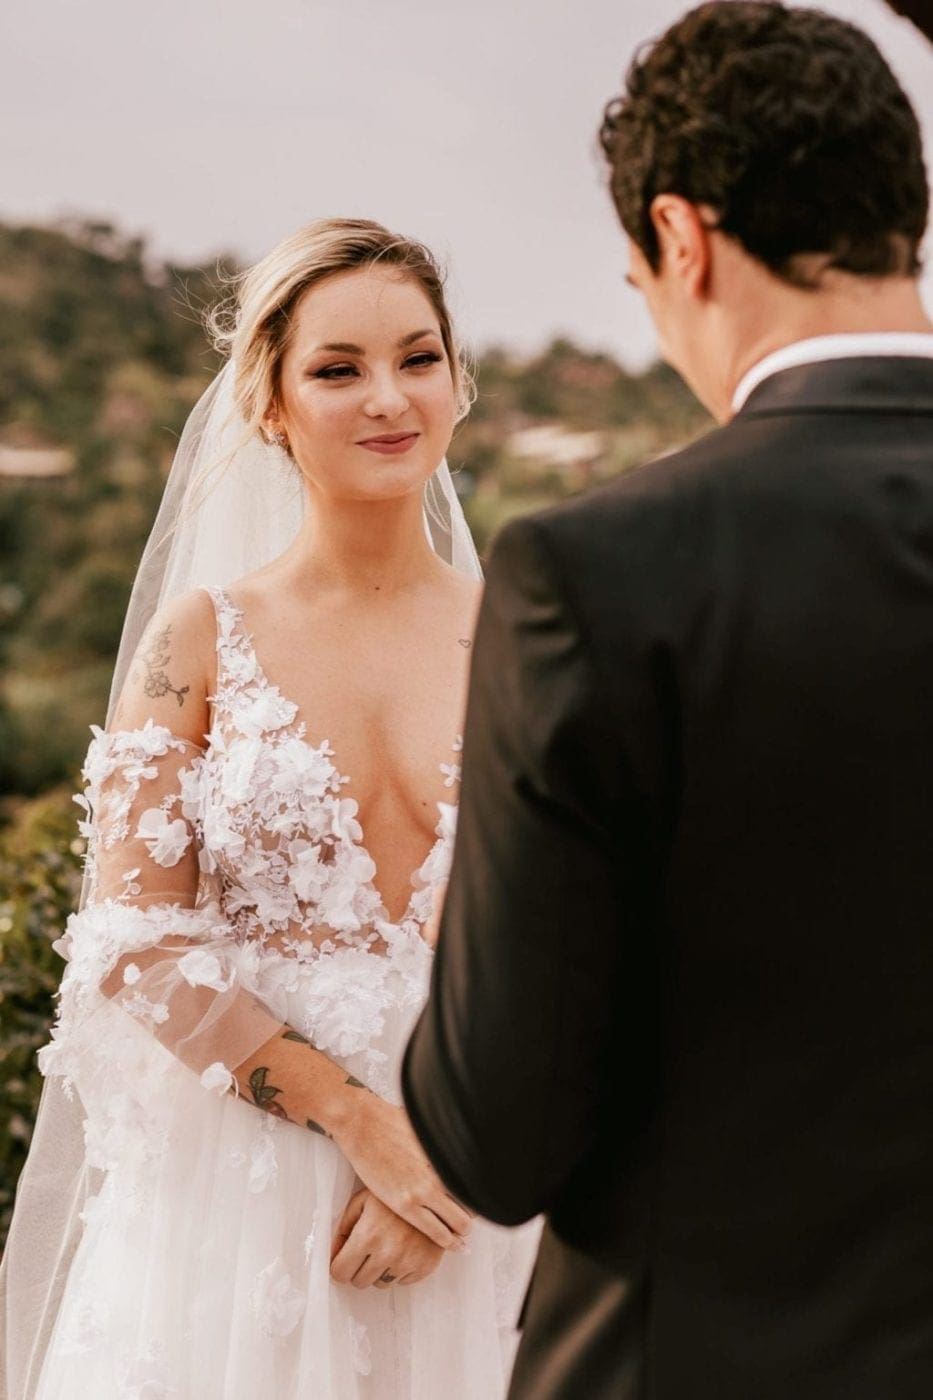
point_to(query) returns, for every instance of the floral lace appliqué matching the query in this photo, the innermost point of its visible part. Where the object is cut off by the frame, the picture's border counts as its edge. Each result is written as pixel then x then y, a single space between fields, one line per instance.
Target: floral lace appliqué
pixel 276 826
pixel 274 1302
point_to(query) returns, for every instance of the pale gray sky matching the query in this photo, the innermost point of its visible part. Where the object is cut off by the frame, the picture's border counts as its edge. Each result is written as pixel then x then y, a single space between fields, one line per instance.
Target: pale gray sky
pixel 224 124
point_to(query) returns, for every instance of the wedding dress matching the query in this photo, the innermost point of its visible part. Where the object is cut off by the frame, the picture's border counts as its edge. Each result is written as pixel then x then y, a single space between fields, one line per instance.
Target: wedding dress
pixel 228 885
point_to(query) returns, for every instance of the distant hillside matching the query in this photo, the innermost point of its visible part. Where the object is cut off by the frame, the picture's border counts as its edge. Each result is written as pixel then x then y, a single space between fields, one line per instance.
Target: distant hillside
pixel 102 354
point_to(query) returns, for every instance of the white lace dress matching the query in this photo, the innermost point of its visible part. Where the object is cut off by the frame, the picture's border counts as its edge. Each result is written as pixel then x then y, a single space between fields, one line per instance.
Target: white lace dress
pixel 239 877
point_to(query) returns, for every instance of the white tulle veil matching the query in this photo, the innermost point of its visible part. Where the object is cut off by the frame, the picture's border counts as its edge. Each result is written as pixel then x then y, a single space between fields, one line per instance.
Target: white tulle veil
pixel 232 503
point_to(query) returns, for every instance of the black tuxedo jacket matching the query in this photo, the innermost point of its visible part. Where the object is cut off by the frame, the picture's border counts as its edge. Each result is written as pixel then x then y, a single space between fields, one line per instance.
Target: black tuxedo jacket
pixel 683 998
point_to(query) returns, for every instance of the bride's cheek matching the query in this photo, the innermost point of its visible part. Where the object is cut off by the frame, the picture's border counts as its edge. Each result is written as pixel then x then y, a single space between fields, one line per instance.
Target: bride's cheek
pixel 442 403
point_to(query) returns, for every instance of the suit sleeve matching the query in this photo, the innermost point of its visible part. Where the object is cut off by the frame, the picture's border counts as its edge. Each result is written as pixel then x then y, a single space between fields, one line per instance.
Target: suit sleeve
pixel 504 1072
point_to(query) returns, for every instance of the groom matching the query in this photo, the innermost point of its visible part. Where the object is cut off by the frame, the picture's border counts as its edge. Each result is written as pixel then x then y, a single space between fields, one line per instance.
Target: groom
pixel 683 1001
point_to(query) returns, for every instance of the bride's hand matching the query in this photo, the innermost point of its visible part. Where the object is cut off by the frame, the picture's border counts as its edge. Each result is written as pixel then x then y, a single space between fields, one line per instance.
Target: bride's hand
pixel 374 1246
pixel 379 1143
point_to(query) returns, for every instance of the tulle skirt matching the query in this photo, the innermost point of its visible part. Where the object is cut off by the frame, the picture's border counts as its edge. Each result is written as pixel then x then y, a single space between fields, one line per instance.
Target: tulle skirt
pixel 203 1267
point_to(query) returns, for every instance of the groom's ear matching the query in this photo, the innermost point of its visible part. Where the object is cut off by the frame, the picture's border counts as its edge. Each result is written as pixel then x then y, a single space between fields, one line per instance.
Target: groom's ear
pixel 683 233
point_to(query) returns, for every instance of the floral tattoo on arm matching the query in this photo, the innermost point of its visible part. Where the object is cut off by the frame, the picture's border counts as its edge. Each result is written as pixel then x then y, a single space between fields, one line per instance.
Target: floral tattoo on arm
pixel 155 659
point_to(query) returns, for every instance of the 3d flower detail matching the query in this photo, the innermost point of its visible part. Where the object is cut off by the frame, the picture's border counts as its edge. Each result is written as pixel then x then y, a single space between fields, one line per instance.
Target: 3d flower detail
pixel 190 791
pixel 344 824
pixel 346 1001
pixel 166 840
pixel 202 969
pixel 259 712
pixel 300 768
pixel 217 1077
pixel 275 1303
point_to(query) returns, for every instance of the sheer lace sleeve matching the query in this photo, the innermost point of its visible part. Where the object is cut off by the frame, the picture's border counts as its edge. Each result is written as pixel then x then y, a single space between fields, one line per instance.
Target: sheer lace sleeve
pixel 150 940
pixel 141 804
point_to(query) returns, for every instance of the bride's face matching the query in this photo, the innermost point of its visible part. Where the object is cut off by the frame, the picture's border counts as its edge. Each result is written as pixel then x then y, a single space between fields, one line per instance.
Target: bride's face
pixel 366 395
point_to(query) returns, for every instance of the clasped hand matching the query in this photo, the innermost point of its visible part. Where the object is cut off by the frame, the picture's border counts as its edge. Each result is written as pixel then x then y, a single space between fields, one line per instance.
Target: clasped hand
pixel 404 1218
pixel 374 1246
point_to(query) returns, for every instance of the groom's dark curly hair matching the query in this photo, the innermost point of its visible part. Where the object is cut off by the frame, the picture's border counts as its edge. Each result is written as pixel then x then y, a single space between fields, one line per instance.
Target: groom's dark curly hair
pixel 789 123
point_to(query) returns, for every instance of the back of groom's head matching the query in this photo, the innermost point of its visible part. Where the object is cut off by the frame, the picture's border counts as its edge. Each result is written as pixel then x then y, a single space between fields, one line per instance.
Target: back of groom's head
pixel 788 124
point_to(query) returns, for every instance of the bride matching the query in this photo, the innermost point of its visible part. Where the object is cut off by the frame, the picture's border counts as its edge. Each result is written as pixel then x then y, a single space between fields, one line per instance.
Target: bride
pixel 224 1198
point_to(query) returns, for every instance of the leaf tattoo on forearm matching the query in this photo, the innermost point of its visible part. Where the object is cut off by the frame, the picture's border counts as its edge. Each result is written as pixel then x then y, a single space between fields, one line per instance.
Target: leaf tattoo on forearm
pixel 296 1036
pixel 155 660
pixel 264 1094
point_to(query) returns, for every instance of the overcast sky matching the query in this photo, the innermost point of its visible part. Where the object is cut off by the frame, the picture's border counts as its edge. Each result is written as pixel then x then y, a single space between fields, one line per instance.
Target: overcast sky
pixel 224 124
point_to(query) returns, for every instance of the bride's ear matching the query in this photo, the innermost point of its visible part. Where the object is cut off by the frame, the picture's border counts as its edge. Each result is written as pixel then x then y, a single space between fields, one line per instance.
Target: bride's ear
pixel 271 428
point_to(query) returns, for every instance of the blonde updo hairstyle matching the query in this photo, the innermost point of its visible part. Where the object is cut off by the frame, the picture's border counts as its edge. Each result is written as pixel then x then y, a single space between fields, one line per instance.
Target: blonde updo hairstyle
pixel 253 328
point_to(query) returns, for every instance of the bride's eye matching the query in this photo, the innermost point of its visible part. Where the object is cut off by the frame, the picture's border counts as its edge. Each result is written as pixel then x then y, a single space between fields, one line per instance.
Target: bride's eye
pixel 335 372
pixel 422 359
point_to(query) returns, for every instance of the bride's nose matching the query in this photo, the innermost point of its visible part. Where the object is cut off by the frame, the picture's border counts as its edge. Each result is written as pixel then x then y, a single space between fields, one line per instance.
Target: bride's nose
pixel 387 398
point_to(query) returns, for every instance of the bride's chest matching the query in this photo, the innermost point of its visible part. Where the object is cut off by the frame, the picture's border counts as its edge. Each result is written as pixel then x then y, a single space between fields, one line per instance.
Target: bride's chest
pixel 289 830
pixel 383 756
pixel 304 797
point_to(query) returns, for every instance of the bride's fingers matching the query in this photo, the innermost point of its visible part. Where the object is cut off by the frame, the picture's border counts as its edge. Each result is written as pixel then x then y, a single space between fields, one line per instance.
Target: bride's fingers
pixel 346 1263
pixel 431 1224
pixel 370 1271
pixel 465 1210
pixel 337 1244
pixel 346 1223
pixel 352 1211
pixel 470 1214
pixel 451 1214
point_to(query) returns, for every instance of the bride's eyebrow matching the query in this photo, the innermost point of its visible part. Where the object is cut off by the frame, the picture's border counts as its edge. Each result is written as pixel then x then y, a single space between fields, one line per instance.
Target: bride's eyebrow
pixel 345 347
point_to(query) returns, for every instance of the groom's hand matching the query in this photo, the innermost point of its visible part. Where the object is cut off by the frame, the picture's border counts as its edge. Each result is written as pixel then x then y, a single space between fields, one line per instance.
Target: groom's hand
pixel 373 1246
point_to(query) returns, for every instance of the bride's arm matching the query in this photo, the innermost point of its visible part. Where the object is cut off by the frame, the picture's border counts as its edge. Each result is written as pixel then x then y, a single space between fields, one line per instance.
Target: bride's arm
pixel 177 969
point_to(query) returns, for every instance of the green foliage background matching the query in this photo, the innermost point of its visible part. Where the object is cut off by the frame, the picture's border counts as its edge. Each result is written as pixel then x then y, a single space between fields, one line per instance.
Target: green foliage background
pixel 102 352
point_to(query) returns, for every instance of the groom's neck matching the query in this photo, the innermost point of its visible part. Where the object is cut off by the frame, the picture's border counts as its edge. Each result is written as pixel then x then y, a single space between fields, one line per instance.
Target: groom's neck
pixel 843 304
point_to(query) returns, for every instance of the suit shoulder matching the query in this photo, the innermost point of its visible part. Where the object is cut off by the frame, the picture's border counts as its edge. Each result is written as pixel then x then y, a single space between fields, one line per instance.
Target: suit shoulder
pixel 664 486
pixel 635 513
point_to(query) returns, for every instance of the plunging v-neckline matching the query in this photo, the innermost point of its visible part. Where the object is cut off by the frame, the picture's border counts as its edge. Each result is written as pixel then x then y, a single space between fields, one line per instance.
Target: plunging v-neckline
pixel 297 722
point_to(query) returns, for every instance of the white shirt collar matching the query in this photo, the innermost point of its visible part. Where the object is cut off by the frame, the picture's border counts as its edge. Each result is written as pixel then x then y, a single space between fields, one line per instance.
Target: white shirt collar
pixel 832 347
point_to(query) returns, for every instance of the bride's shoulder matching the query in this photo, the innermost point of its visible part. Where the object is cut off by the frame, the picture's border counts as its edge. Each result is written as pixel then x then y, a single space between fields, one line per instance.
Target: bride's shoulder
pixel 173 670
pixel 468 593
pixel 465 588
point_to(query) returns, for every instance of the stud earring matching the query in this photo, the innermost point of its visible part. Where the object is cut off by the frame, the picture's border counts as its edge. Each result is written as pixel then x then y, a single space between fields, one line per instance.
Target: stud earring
pixel 278 439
